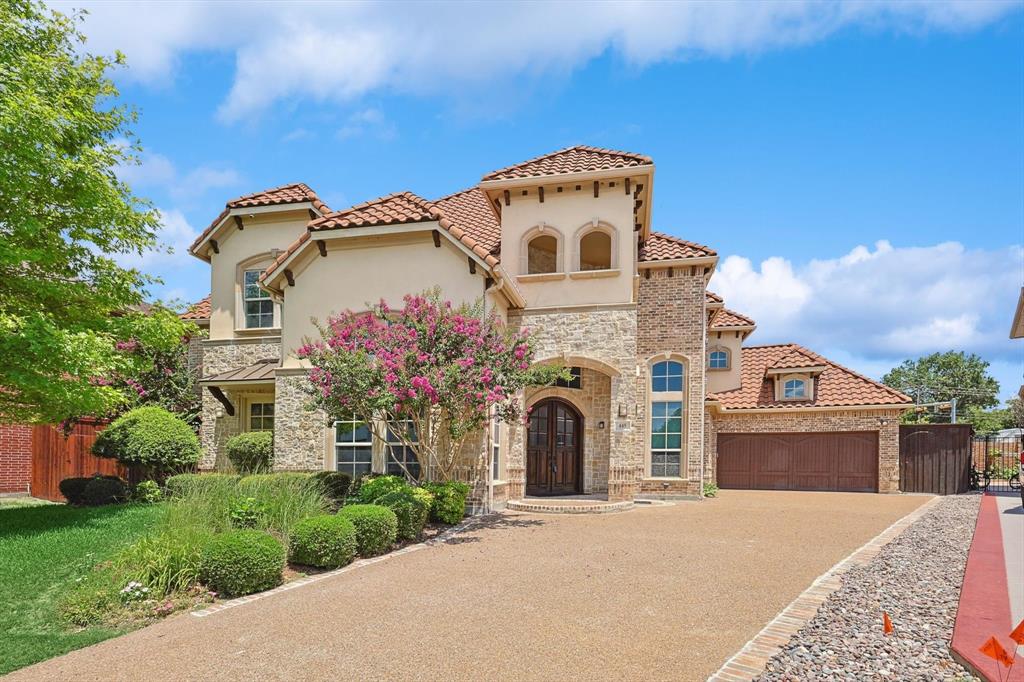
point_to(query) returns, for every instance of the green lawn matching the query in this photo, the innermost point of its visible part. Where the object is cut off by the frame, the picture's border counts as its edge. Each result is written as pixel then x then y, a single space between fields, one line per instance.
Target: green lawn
pixel 42 551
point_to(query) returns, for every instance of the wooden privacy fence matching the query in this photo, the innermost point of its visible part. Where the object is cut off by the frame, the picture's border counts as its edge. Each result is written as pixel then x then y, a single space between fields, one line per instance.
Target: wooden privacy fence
pixel 56 457
pixel 935 458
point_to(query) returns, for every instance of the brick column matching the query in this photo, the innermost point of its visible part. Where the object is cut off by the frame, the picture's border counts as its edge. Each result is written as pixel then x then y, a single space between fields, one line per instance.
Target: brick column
pixel 15 458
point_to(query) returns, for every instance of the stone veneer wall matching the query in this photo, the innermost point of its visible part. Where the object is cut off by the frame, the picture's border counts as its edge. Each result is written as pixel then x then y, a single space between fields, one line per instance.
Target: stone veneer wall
pixel 217 357
pixel 300 434
pixel 606 334
pixel 671 319
pixel 798 422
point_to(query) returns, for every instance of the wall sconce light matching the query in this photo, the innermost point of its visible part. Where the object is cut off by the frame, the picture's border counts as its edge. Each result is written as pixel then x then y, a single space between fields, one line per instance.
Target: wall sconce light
pixel 219 413
pixel 600 425
pixel 884 421
pixel 622 411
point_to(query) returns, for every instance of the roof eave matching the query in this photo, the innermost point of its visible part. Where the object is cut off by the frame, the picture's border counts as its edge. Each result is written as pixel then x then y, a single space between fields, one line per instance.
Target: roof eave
pixel 603 174
pixel 874 407
pixel 801 369
pixel 198 248
pixel 681 262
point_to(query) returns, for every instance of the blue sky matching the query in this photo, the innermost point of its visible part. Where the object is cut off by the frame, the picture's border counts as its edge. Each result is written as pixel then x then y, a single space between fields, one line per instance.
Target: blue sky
pixel 859 168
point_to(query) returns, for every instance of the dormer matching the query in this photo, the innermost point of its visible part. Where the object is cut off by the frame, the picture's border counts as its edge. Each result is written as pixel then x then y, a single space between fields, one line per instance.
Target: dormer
pixel 727 329
pixel 794 376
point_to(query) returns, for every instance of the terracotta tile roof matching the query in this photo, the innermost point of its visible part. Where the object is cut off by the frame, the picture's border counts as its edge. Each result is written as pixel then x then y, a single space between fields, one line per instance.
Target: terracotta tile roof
pixel 730 318
pixel 200 310
pixel 470 210
pixel 660 246
pixel 295 193
pixel 712 297
pixel 576 159
pixel 794 358
pixel 394 209
pixel 837 386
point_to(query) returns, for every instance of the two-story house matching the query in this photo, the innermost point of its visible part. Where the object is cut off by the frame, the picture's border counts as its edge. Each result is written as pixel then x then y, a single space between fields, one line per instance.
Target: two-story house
pixel 664 395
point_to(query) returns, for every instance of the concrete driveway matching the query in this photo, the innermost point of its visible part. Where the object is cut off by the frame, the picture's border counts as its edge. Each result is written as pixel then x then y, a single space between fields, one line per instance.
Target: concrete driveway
pixel 654 593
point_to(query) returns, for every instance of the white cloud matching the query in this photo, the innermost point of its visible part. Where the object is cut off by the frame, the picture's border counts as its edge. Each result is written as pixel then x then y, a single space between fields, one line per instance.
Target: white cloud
pixel 367 122
pixel 157 171
pixel 174 236
pixel 342 51
pixel 874 307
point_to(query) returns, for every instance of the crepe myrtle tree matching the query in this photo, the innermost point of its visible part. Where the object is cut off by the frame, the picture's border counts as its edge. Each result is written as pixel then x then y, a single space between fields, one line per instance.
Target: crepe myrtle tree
pixel 442 369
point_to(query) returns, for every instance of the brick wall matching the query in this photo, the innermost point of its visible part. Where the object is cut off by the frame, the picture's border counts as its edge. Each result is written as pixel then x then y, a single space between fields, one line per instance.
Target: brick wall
pixel 15 458
pixel 671 320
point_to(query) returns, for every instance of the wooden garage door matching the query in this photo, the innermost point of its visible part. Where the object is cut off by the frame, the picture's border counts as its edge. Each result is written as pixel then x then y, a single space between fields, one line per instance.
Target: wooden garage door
pixel 846 461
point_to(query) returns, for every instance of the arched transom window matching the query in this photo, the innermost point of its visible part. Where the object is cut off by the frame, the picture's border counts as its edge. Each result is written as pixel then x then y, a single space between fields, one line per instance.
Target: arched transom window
pixel 666 419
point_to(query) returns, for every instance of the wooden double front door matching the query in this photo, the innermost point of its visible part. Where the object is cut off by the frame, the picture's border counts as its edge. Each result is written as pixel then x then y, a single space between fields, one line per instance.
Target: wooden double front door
pixel 554 449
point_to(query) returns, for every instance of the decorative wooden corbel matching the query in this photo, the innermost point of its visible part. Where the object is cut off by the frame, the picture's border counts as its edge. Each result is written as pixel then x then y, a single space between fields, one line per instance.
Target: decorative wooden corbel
pixel 290 277
pixel 508 197
pixel 628 182
pixel 472 266
pixel 540 194
pixel 323 247
pixel 597 188
pixel 437 238
pixel 238 222
pixel 213 244
pixel 222 399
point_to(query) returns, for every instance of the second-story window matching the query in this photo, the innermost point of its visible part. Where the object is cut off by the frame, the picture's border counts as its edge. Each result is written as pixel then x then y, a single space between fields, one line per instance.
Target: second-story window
pixel 259 308
pixel 542 255
pixel 596 251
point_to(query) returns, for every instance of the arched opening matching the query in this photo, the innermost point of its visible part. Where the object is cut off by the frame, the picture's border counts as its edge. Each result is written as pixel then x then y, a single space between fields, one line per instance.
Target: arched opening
pixel 554 448
pixel 596 251
pixel 542 255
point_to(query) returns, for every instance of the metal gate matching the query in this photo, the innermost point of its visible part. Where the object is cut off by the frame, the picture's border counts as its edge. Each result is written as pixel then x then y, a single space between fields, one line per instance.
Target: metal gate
pixel 995 462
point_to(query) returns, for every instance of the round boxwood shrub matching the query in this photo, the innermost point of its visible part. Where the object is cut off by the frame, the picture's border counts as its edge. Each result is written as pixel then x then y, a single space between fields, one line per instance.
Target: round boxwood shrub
pixel 104 490
pixel 374 487
pixel 335 484
pixel 410 508
pixel 72 489
pixel 323 541
pixel 449 501
pixel 376 527
pixel 241 562
pixel 150 437
pixel 252 452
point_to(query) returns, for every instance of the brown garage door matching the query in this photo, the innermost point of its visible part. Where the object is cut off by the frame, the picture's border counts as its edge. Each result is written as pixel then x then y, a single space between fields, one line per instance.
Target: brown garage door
pixel 845 461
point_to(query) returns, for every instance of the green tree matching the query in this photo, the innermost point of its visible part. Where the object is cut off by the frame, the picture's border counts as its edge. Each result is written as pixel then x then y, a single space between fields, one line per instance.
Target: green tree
pixel 1016 408
pixel 988 421
pixel 940 377
pixel 65 303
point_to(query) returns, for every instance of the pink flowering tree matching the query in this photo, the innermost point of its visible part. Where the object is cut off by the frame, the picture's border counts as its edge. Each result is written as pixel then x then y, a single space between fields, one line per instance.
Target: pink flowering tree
pixel 443 369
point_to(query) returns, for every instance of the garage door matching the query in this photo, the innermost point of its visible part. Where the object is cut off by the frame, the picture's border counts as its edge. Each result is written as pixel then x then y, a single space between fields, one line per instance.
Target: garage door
pixel 845 461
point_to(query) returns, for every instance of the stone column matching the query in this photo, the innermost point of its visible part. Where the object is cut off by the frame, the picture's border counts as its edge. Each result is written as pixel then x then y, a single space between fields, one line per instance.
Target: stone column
pixel 623 459
pixel 299 433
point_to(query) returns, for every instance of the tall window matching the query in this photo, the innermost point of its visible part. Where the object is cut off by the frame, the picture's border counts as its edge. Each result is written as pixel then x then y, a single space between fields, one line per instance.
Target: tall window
pixel 666 419
pixel 794 388
pixel 596 251
pixel 259 309
pixel 261 416
pixel 719 359
pixel 495 447
pixel 542 254
pixel 353 447
pixel 398 453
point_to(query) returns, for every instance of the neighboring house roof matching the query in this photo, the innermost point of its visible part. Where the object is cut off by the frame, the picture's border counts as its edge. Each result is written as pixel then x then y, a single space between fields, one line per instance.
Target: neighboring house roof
pixel 200 310
pixel 660 246
pixel 471 211
pixel 578 159
pixel 726 318
pixel 836 386
pixel 295 193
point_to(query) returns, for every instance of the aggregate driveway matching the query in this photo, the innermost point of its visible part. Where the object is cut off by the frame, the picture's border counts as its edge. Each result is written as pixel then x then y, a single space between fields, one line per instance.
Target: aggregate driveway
pixel 655 593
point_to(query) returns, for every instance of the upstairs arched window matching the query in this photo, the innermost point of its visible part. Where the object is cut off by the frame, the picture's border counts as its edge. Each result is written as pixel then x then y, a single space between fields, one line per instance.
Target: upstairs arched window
pixel 794 389
pixel 595 247
pixel 718 358
pixel 542 254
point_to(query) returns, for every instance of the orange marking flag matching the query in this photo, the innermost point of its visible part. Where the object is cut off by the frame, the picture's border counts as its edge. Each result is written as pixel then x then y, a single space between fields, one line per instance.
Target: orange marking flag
pixel 886 623
pixel 993 649
pixel 1018 633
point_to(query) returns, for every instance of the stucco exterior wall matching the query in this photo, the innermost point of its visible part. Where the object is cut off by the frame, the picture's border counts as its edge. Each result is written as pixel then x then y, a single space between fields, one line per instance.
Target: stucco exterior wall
pixel 725 379
pixel 819 422
pixel 672 321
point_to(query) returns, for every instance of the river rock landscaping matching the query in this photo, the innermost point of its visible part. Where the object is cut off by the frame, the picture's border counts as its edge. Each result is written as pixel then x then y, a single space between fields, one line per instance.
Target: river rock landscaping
pixel 916 580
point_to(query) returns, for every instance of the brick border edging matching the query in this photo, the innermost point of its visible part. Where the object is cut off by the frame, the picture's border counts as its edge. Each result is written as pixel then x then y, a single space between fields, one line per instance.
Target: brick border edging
pixel 440 538
pixel 593 508
pixel 750 661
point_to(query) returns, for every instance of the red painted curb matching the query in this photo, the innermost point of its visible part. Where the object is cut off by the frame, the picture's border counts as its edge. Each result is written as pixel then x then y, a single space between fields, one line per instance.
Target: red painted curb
pixel 984 609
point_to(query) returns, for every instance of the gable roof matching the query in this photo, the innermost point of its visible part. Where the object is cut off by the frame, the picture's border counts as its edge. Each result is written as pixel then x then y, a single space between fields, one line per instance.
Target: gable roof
pixel 392 209
pixel 660 246
pixel 200 310
pixel 295 193
pixel 471 211
pixel 730 318
pixel 577 159
pixel 794 359
pixel 836 386
pixel 711 297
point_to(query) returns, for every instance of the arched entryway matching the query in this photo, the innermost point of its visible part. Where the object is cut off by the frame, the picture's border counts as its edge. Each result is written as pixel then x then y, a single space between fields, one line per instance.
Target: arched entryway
pixel 554 449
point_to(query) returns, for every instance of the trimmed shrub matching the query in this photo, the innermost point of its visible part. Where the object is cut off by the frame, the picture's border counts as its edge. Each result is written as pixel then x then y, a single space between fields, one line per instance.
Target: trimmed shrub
pixel 149 437
pixel 284 498
pixel 410 508
pixel 192 484
pixel 323 541
pixel 147 492
pixel 372 488
pixel 376 527
pixel 72 489
pixel 241 562
pixel 335 484
pixel 252 452
pixel 449 504
pixel 101 491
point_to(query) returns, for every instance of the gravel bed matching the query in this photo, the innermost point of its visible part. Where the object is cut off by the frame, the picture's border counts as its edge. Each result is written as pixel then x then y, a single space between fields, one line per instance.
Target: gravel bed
pixel 916 578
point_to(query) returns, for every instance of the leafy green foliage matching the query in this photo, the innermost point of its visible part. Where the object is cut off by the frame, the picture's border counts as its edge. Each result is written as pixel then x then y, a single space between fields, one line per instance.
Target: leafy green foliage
pixel 376 527
pixel 710 490
pixel 251 452
pixel 104 490
pixel 165 561
pixel 323 541
pixel 246 512
pixel 940 377
pixel 72 488
pixel 989 421
pixel 65 302
pixel 147 492
pixel 411 507
pixel 241 562
pixel 372 488
pixel 336 485
pixel 449 504
pixel 150 437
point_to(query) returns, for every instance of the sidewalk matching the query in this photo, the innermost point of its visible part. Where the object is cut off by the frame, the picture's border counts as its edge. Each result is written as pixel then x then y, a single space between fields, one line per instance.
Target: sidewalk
pixel 992 597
